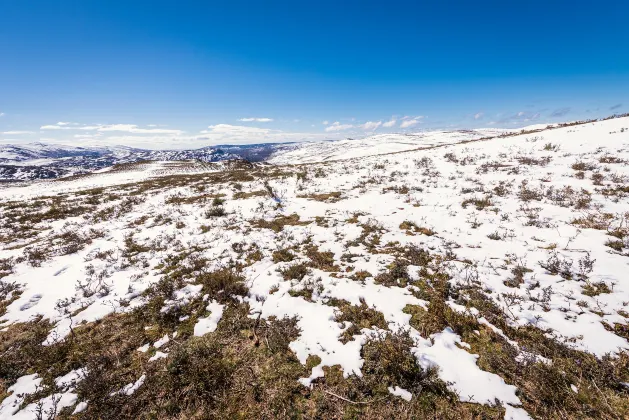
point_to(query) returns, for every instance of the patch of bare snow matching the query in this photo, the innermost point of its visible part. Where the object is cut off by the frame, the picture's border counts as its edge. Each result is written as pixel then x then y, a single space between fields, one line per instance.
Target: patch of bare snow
pixel 209 323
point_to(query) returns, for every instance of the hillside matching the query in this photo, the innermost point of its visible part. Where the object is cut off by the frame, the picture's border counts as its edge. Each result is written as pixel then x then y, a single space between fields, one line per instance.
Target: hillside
pixel 456 276
pixel 38 161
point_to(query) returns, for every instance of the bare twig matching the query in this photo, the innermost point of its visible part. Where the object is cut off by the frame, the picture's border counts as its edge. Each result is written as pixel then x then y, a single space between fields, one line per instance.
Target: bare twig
pixel 350 401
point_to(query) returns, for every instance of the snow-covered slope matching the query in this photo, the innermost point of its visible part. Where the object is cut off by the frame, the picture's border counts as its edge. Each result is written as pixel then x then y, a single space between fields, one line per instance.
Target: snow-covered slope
pixel 503 261
pixel 41 161
pixel 374 145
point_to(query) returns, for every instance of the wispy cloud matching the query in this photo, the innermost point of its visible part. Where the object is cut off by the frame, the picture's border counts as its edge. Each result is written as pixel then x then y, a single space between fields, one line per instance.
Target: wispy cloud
pixel 17 132
pixel 256 119
pixel 478 116
pixel 371 125
pixel 560 112
pixel 409 122
pixel 337 126
pixel 518 118
pixel 2 114
pixel 134 129
pixel 326 122
pixel 617 106
pixel 390 123
pixel 128 128
pixel 88 136
pixel 238 134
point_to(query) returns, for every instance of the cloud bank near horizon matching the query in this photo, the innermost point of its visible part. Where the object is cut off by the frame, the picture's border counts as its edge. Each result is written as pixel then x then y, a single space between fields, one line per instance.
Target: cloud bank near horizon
pixel 253 130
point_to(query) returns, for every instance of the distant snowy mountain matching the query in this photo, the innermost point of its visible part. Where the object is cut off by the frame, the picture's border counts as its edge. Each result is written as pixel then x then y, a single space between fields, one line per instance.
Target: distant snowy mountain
pixel 44 161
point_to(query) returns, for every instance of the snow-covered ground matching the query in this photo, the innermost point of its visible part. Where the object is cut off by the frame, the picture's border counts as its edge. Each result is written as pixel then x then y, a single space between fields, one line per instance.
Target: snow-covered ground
pixel 516 215
pixel 379 144
pixel 107 177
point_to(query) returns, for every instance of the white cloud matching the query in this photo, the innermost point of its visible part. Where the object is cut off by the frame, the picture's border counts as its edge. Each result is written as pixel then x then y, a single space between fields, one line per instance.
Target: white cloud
pixel 17 132
pixel 371 125
pixel 61 125
pixel 390 123
pixel 238 134
pixel 129 128
pixel 88 136
pixel 236 129
pixel 407 123
pixel 478 116
pixel 156 137
pixel 256 119
pixel 326 122
pixel 53 127
pixel 132 128
pixel 1 114
pixel 337 126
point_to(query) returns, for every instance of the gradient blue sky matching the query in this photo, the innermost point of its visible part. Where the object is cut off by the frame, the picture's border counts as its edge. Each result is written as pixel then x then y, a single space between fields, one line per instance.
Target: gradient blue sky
pixel 180 74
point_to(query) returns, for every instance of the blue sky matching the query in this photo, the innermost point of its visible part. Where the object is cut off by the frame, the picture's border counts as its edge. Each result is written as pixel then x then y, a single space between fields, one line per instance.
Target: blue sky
pixel 179 74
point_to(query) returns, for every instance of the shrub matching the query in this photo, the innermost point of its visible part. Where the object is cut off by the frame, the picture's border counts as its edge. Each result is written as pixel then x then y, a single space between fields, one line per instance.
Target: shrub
pixel 295 271
pixel 615 244
pixel 223 284
pixel 216 211
pixel 283 255
pixel 359 317
pixel 583 166
pixel 479 203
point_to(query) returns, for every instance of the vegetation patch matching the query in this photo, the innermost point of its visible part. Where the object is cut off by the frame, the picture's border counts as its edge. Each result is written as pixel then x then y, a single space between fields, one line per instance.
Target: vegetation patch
pixel 411 228
pixel 331 197
pixel 359 317
pixel 278 224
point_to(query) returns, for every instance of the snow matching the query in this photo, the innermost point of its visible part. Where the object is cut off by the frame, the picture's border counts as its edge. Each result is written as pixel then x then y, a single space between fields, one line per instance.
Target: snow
pixel 130 388
pixel 209 323
pixel 162 341
pixel 516 413
pixel 50 405
pixel 23 386
pixel 158 355
pixel 70 379
pixel 80 407
pixel 182 297
pixel 144 348
pixel 459 368
pixel 400 392
pixel 361 179
pixel 138 172
pixel 379 144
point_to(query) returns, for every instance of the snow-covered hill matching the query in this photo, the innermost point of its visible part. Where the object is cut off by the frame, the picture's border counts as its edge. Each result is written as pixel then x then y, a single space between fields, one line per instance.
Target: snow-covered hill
pixel 324 151
pixel 480 279
pixel 43 161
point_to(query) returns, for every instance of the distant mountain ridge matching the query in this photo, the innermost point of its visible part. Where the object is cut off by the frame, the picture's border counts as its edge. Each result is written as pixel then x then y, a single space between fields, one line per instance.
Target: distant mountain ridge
pixel 44 161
